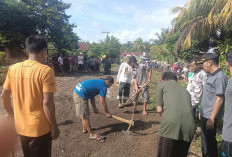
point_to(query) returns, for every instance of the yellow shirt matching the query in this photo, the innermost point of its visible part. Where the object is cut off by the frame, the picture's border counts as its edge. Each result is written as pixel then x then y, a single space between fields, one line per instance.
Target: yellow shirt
pixel 27 81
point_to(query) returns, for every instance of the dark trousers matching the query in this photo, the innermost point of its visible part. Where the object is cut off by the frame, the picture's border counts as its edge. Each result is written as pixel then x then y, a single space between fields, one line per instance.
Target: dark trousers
pixel 195 108
pixel 208 140
pixel 167 147
pixel 226 149
pixel 36 146
pixel 123 90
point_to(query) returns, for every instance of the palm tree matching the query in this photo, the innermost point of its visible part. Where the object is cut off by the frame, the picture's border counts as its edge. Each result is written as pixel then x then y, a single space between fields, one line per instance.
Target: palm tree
pixel 200 19
pixel 139 44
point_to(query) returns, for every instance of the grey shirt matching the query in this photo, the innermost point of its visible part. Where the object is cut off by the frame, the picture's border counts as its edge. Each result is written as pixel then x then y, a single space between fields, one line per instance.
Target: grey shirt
pixel 227 124
pixel 141 74
pixel 215 85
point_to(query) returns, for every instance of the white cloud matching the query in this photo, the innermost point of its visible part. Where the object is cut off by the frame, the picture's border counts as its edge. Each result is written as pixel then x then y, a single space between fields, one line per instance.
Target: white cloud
pixel 129 35
pixel 120 9
pixel 127 21
pixel 159 18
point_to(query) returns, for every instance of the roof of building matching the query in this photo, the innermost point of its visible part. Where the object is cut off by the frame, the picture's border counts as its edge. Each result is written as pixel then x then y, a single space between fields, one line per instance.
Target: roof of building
pixel 83 46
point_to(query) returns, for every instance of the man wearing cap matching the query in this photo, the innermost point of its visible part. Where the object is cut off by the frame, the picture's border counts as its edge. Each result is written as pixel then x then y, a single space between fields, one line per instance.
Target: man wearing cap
pixel 139 75
pixel 88 90
pixel 124 79
pixel 211 103
pixel 227 123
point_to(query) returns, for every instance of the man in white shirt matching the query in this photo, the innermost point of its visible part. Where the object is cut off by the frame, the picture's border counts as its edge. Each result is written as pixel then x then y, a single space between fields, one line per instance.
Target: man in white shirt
pixel 61 63
pixel 124 79
pixel 195 84
pixel 61 60
pixel 80 62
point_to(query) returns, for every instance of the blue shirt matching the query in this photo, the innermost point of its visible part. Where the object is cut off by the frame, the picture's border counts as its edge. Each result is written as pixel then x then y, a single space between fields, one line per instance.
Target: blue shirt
pixel 90 88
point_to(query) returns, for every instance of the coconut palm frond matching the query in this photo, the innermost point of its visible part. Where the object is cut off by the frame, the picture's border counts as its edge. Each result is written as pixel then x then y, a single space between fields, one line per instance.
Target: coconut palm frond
pixel 226 14
pixel 177 9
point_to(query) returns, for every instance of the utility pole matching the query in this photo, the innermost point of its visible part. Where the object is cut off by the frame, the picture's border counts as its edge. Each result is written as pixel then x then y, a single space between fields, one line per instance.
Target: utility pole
pixel 107 33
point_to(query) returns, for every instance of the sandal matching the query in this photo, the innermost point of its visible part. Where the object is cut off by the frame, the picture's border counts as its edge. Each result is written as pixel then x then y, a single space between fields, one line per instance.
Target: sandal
pixel 97 137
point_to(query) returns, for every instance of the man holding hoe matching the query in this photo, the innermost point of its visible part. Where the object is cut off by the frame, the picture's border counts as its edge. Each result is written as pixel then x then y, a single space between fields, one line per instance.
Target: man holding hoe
pixel 140 78
pixel 88 90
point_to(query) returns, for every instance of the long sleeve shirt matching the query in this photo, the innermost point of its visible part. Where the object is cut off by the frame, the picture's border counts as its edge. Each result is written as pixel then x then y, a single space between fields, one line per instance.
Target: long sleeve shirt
pixel 195 86
pixel 124 73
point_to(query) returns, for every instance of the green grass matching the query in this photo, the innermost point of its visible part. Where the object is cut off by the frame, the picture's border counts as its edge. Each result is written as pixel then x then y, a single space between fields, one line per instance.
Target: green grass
pixel 3 72
pixel 113 65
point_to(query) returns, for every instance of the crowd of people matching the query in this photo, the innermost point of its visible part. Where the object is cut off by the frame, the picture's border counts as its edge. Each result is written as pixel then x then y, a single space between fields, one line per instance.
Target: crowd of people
pixel 70 64
pixel 207 89
pixel 32 86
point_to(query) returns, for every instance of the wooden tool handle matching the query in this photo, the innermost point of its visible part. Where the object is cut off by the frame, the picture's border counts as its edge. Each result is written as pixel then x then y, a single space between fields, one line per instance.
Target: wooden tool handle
pixel 123 120
pixel 130 122
pixel 137 92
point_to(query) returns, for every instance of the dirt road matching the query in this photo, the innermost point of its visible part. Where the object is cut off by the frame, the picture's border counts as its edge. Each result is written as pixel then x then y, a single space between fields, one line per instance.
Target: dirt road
pixel 73 143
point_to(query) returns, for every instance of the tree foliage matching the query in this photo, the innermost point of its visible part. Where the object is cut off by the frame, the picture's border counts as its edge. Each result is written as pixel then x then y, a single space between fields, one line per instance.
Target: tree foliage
pixel 111 47
pixel 22 18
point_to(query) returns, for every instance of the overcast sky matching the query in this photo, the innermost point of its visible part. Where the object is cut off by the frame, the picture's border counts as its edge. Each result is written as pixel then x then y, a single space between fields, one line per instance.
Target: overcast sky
pixel 125 19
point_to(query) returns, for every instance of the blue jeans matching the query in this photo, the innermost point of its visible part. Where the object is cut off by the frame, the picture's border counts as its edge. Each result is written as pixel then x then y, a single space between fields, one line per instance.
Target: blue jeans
pixel 226 149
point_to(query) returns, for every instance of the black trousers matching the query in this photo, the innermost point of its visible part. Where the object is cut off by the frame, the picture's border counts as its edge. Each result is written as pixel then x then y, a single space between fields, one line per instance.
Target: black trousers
pixel 208 140
pixel 36 146
pixel 167 147
pixel 123 90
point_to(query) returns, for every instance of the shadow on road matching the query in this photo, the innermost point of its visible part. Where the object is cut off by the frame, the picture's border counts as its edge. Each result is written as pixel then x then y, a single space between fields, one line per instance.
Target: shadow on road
pixel 118 127
pixel 66 122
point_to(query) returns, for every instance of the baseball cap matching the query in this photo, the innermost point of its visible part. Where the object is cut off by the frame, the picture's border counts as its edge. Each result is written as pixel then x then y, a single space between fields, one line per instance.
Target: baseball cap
pixel 208 56
pixel 127 56
pixel 132 59
pixel 109 78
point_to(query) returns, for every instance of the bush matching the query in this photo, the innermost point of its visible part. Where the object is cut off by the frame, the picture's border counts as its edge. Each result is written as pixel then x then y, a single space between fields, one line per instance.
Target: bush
pixel 2 58
pixel 3 68
pixel 224 47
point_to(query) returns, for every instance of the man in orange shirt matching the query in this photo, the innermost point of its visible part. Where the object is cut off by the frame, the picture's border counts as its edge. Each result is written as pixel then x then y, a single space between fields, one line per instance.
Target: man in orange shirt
pixel 32 85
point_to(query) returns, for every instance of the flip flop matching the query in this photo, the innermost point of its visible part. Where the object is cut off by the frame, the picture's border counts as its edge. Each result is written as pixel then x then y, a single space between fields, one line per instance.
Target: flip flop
pixel 98 138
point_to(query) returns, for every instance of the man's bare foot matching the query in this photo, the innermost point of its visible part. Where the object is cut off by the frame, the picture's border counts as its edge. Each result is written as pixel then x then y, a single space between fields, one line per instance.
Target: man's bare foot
pixel 84 130
pixel 145 113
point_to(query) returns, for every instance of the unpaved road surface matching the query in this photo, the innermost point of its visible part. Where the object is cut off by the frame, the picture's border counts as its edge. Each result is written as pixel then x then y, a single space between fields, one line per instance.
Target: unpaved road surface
pixel 141 142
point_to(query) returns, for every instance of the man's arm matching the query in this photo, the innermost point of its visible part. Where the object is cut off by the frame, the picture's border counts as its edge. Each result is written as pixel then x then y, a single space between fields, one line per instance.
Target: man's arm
pixel 104 106
pixel 149 75
pixel 136 84
pixel 119 73
pixel 49 110
pixel 7 102
pixel 95 110
pixel 217 106
pixel 159 110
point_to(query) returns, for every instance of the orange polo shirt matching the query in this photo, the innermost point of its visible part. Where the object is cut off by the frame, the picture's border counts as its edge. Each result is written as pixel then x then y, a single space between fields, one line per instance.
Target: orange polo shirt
pixel 27 81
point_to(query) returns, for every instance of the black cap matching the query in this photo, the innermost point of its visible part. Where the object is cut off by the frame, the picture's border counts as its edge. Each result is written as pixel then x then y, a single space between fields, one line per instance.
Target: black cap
pixel 109 78
pixel 132 59
pixel 208 56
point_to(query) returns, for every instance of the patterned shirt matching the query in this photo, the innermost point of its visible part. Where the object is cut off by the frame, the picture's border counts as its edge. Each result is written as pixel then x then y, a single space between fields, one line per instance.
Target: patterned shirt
pixel 195 86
